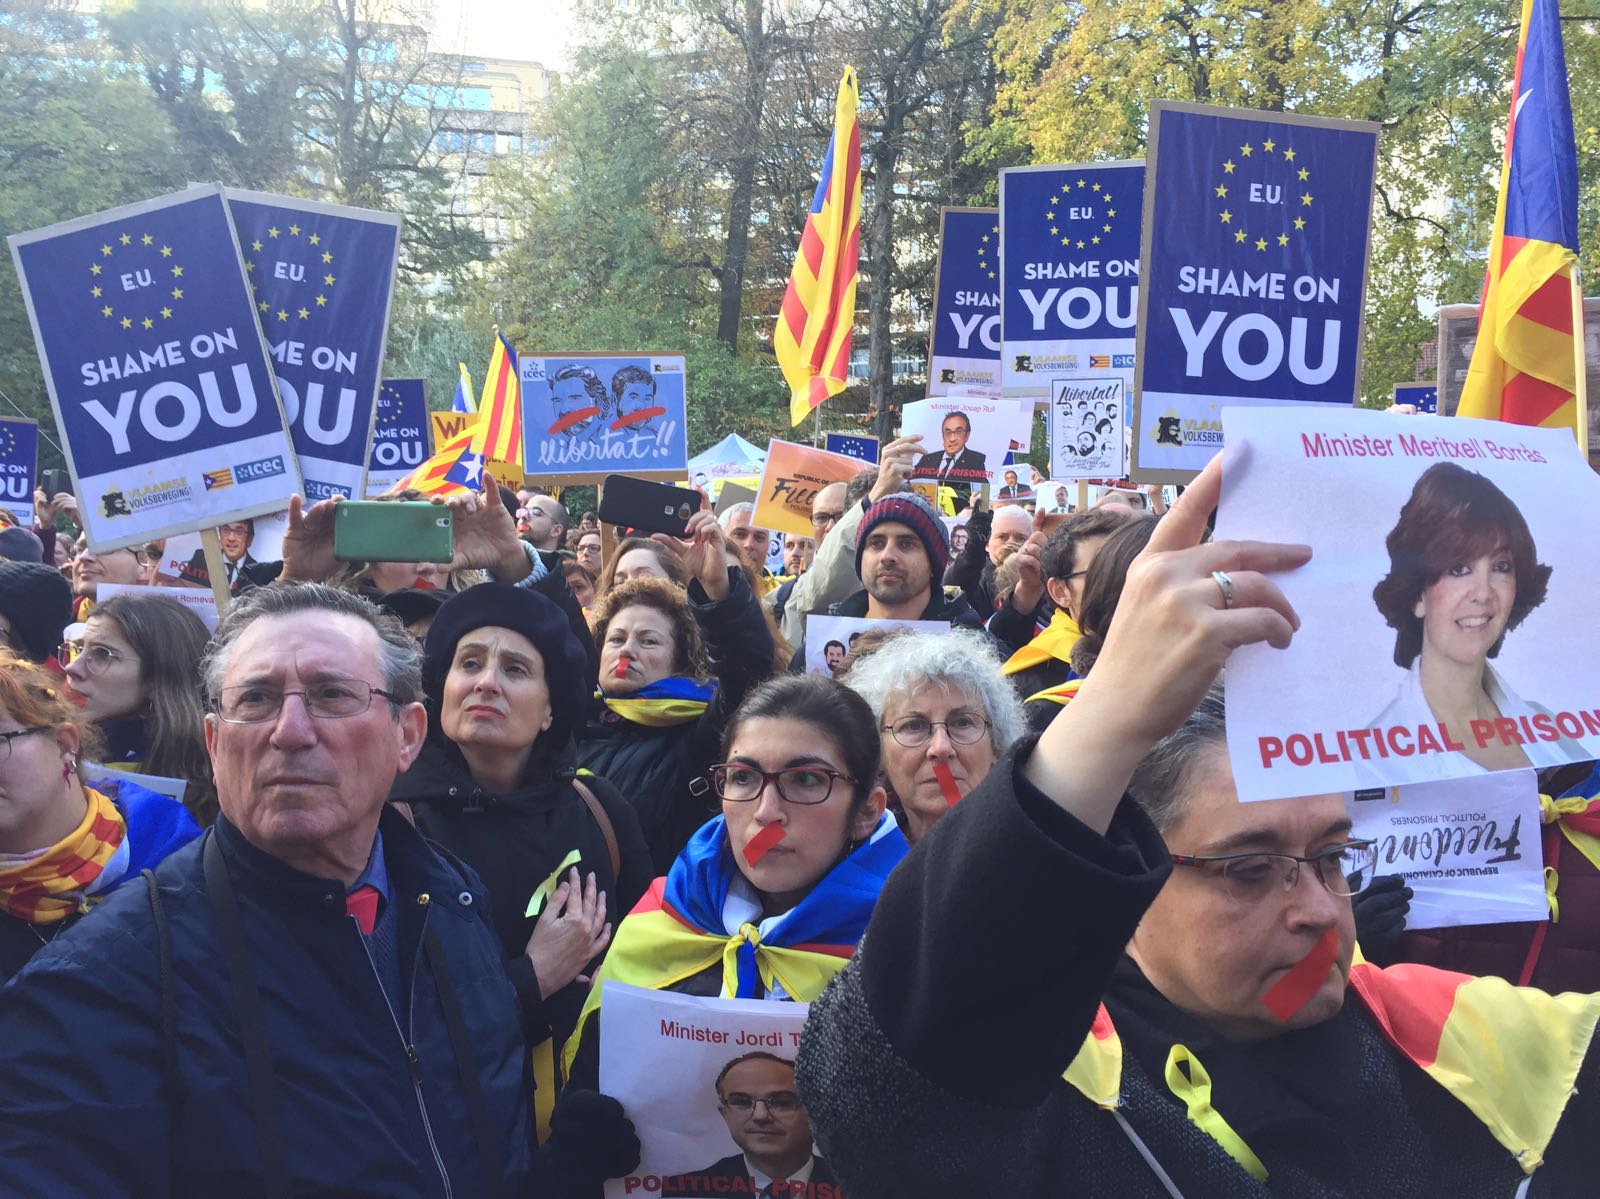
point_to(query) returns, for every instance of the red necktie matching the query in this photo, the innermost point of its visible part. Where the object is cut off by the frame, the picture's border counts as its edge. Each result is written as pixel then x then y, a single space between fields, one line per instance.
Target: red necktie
pixel 362 903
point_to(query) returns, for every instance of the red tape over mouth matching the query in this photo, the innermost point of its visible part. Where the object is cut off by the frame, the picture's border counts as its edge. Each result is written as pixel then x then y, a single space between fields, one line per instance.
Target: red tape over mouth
pixel 763 842
pixel 947 783
pixel 1304 979
pixel 622 667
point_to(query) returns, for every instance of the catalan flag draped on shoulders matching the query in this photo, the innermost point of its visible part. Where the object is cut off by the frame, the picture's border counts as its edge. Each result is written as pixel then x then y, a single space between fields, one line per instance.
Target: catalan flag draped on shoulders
pixel 812 336
pixel 495 434
pixel 1525 365
pixel 704 915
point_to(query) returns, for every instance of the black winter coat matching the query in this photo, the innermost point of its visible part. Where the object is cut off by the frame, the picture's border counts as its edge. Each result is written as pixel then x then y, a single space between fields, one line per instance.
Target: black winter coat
pixel 513 841
pixel 653 767
pixel 368 1110
pixel 923 1077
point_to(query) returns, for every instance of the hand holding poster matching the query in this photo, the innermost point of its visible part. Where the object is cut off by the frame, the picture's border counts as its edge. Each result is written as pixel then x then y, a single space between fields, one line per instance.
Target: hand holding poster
pixel 1255 259
pixel 1069 277
pixel 159 381
pixel 585 416
pixel 1448 617
pixel 1468 850
pixel 323 277
pixel 709 1086
pixel 964 351
pixel 973 434
pixel 399 433
pixel 790 481
pixel 19 461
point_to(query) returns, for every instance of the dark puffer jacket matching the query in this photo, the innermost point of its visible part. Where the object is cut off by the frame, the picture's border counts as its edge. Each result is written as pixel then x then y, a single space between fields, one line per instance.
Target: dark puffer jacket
pixel 368 1109
pixel 653 767
pixel 514 841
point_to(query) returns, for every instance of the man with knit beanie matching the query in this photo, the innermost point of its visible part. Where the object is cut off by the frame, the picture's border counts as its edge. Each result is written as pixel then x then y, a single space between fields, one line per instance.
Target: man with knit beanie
pixel 902 550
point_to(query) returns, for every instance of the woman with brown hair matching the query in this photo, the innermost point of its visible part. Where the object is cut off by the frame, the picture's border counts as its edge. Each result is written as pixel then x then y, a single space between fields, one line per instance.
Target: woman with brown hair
pixel 641 558
pixel 65 842
pixel 136 672
pixel 660 715
pixel 1463 573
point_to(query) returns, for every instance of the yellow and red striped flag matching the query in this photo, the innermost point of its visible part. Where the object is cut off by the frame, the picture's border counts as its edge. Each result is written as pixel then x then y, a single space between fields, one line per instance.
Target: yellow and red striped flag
pixel 812 337
pixel 435 475
pixel 500 409
pixel 1530 336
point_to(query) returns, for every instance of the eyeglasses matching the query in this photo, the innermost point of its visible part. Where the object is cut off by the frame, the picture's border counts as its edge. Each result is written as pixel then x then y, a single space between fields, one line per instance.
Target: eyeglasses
pixel 234 530
pixel 963 728
pixel 95 658
pixel 5 739
pixel 1343 869
pixel 779 1103
pixel 331 699
pixel 739 783
pixel 825 520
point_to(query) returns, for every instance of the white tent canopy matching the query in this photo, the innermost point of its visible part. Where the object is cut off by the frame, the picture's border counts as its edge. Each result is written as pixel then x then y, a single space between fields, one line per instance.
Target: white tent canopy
pixel 732 457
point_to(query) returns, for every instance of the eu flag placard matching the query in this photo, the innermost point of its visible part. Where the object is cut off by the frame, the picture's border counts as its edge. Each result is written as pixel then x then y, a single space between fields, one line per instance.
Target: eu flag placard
pixel 156 370
pixel 1069 275
pixel 399 433
pixel 19 459
pixel 1255 259
pixel 964 352
pixel 1424 397
pixel 322 277
pixel 852 445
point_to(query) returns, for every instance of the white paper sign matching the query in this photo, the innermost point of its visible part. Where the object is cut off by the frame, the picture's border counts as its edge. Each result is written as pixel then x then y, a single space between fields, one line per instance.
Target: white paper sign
pixel 688 1070
pixel 1469 850
pixel 159 783
pixel 198 600
pixel 966 438
pixel 183 563
pixel 829 639
pixel 1087 431
pixel 1449 624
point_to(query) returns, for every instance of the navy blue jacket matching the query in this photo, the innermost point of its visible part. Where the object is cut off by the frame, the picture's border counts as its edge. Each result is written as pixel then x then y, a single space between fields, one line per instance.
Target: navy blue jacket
pixel 83 1109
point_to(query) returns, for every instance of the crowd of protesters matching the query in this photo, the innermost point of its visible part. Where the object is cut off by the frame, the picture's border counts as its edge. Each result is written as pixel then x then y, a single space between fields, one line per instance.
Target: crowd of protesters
pixel 425 812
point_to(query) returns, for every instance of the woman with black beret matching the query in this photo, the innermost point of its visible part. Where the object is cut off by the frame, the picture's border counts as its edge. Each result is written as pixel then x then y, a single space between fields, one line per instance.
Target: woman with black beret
pixel 497 784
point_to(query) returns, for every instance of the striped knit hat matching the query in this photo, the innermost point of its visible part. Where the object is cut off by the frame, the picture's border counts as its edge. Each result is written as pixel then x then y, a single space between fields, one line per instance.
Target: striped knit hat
pixel 914 512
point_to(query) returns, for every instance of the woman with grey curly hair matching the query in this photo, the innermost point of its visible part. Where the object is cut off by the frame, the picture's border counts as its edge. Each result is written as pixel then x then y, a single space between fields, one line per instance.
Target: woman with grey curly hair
pixel 945 712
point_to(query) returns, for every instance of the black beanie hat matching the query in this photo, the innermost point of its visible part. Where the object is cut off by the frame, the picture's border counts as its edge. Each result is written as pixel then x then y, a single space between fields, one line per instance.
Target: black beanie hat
pixel 523 611
pixel 915 513
pixel 36 601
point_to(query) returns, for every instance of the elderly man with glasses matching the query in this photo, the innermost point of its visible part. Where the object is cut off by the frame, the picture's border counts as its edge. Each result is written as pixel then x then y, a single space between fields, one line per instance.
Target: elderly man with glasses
pixel 309 1000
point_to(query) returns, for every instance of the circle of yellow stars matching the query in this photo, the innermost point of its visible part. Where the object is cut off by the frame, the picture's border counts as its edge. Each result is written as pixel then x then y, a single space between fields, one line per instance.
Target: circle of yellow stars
pixel 1069 190
pixel 1298 200
pixel 322 259
pixel 990 242
pixel 167 276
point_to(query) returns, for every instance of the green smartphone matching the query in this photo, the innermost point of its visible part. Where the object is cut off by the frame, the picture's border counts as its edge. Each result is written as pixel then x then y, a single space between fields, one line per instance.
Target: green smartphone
pixel 393 531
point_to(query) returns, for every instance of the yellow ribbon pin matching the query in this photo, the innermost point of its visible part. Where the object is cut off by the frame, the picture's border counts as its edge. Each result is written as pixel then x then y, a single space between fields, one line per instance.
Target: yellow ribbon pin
pixel 545 889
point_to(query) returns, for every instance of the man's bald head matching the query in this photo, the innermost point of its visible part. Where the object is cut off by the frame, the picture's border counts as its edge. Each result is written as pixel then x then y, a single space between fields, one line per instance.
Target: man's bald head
pixel 827 508
pixel 1011 528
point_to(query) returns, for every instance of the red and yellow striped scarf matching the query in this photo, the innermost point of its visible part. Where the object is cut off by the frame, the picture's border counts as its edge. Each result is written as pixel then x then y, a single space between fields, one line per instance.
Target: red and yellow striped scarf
pixel 50 887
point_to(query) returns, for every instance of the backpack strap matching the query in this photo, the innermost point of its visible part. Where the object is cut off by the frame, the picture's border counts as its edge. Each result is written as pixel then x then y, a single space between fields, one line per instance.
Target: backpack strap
pixel 596 810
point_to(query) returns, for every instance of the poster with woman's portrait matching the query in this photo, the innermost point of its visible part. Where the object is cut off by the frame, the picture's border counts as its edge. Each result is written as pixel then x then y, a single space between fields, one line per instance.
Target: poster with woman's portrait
pixel 709 1085
pixel 1449 620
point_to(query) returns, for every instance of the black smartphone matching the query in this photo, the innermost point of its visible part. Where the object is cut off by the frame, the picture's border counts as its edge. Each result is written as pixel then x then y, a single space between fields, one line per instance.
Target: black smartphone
pixel 53 482
pixel 653 507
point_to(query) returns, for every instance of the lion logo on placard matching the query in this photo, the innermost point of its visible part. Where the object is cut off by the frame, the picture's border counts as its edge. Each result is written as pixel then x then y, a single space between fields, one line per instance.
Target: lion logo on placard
pixel 1168 431
pixel 947 374
pixel 1023 364
pixel 115 504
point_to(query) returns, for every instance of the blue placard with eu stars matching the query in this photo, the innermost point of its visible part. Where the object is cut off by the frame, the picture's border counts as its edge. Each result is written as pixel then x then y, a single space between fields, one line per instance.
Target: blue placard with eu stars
pixel 1069 275
pixel 19 461
pixel 1255 259
pixel 157 373
pixel 852 445
pixel 964 351
pixel 399 433
pixel 323 277
pixel 1424 397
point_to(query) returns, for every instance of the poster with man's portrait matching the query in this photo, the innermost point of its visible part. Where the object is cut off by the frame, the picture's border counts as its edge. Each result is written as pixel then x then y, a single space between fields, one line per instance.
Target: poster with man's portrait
pixel 830 640
pixel 591 415
pixel 1449 625
pixel 965 439
pixel 709 1085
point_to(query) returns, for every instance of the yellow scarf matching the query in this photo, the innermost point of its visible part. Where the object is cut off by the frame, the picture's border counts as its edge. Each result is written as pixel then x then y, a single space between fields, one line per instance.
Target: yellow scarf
pixel 1055 643
pixel 50 887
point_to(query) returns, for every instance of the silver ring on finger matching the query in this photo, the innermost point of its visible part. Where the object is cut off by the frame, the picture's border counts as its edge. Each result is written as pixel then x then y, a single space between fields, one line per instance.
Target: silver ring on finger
pixel 1225 585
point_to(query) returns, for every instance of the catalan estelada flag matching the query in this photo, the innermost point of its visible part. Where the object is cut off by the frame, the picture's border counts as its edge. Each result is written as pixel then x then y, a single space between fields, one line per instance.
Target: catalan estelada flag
pixel 812 338
pixel 499 426
pixel 1524 366
pixel 447 470
pixel 463 397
